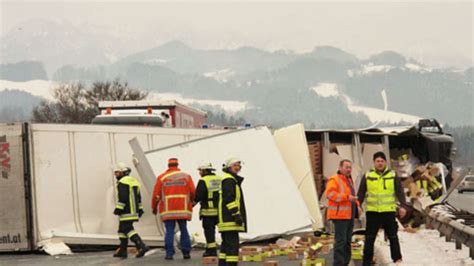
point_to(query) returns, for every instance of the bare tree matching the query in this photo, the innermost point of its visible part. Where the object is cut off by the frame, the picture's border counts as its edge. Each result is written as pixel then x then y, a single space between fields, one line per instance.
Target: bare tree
pixel 46 112
pixel 77 105
pixel 113 91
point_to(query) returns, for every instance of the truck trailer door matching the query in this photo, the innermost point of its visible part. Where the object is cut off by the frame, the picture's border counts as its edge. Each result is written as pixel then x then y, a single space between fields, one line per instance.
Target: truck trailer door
pixel 14 193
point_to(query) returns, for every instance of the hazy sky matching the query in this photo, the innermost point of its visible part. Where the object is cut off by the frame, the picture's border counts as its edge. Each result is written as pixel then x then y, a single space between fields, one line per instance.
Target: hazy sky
pixel 436 33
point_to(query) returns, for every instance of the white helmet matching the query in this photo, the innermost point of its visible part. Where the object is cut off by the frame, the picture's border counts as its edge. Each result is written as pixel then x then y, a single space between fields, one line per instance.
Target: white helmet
pixel 205 166
pixel 232 160
pixel 122 167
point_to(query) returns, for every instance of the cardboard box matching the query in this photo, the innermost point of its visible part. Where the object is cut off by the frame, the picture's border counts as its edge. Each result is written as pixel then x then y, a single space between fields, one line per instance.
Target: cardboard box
pixel 256 258
pixel 274 246
pixel 249 248
pixel 210 260
pixel 248 253
pixel 270 263
pixel 292 256
pixel 283 252
pixel 315 154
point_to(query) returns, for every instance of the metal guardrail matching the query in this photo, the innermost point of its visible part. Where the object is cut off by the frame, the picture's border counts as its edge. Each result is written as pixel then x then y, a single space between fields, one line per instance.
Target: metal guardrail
pixel 450 226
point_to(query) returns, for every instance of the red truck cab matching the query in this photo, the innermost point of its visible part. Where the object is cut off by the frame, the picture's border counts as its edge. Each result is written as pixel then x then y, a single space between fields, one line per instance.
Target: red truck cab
pixel 150 113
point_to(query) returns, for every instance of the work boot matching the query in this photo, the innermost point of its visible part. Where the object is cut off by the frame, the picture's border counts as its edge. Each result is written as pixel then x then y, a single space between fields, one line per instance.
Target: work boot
pixel 122 251
pixel 210 252
pixel 141 247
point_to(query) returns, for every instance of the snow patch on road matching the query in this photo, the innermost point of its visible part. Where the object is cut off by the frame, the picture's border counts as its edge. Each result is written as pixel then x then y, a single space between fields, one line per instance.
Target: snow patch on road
pixel 424 247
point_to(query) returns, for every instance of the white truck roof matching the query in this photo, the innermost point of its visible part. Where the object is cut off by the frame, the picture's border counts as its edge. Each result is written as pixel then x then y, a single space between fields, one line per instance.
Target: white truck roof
pixel 146 104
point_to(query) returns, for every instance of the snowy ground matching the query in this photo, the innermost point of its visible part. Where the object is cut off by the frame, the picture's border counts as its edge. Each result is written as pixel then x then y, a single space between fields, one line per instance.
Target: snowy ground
pixel 425 247
pixel 40 88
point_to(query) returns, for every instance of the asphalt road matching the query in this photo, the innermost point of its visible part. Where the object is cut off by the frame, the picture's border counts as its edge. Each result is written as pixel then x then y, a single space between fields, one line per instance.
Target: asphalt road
pixel 464 201
pixel 105 258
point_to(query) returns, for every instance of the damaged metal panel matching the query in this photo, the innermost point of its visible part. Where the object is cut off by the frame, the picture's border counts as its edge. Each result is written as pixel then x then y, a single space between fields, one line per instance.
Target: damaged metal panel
pixel 274 203
pixel 293 147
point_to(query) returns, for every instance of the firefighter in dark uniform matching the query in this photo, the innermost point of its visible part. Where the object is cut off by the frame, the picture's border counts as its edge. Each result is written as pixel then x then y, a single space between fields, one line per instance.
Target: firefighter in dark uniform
pixel 129 208
pixel 232 215
pixel 207 194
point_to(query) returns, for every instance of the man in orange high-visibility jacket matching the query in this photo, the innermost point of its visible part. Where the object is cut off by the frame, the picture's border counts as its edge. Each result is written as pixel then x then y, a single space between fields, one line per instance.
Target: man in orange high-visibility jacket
pixel 174 192
pixel 343 207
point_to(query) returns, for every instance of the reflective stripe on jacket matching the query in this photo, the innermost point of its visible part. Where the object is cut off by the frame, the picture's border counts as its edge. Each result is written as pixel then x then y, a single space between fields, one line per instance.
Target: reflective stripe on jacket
pixel 231 203
pixel 381 191
pixel 207 194
pixel 174 193
pixel 129 198
pixel 337 192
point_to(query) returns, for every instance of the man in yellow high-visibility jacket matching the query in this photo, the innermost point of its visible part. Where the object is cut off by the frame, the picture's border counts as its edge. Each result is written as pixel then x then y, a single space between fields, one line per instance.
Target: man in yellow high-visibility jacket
pixel 232 213
pixel 207 194
pixel 382 188
pixel 129 208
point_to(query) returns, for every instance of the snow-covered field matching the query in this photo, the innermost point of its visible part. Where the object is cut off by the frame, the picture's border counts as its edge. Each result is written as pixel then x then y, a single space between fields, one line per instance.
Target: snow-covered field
pixel 326 90
pixel 424 247
pixel 40 88
pixel 221 76
pixel 375 115
pixel 371 68
pixel 228 106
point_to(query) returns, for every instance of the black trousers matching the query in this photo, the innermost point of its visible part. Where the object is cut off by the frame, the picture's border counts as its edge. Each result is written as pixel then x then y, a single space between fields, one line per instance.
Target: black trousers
pixel 387 221
pixel 126 229
pixel 343 238
pixel 209 224
pixel 229 254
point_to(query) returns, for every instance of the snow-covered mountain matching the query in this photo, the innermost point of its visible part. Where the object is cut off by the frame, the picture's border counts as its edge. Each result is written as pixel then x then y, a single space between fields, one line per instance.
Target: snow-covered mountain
pixel 273 85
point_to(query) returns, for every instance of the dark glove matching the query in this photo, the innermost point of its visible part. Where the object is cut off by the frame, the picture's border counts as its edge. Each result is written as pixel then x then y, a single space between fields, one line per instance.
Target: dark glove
pixel 117 211
pixel 140 213
pixel 238 219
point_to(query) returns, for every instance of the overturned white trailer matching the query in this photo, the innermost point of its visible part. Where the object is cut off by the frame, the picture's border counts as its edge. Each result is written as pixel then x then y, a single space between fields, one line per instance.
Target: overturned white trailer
pixel 57 183
pixel 274 204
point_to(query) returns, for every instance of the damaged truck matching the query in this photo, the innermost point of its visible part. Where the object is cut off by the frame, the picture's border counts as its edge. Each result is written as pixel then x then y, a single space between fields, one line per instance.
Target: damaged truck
pixel 57 183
